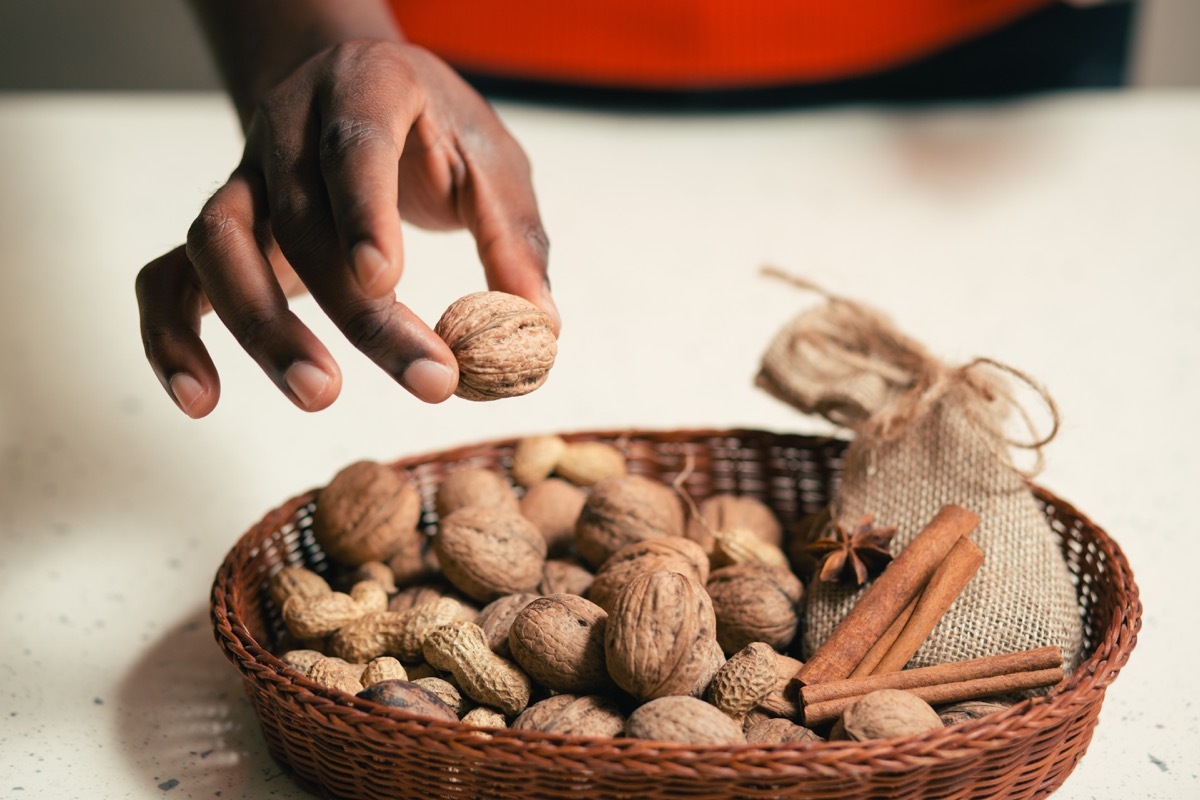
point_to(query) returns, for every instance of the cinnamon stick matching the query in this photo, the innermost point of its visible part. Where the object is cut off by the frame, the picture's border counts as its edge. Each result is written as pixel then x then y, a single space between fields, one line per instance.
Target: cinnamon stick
pixel 945 585
pixel 886 598
pixel 885 642
pixel 942 683
pixel 944 693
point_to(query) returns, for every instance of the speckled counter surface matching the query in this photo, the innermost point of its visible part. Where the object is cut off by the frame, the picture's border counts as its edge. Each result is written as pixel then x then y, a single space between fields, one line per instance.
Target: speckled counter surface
pixel 1059 235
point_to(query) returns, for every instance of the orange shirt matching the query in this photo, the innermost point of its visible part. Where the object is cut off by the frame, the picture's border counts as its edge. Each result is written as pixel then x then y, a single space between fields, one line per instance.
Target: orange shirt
pixel 694 44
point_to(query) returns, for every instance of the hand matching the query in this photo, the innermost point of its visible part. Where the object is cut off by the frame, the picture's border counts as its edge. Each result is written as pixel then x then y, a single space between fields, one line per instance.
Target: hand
pixel 358 137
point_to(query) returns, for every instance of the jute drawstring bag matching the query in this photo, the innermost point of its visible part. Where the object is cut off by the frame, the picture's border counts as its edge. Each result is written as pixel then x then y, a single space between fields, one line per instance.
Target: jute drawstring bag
pixel 927 434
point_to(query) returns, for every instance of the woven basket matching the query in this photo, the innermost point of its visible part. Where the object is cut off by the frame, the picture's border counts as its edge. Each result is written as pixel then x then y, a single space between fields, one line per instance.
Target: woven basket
pixel 339 746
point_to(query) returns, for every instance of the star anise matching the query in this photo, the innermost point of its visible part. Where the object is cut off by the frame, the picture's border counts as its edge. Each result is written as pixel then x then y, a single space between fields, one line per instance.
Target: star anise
pixel 858 554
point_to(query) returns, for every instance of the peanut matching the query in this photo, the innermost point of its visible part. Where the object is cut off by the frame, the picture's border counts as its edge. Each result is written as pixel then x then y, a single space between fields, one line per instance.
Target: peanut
pixel 383 668
pixel 535 457
pixel 744 681
pixel 484 717
pixel 376 571
pixel 460 648
pixel 589 463
pixel 299 581
pixel 395 633
pixel 319 616
pixel 334 673
pixel 301 660
pixel 370 595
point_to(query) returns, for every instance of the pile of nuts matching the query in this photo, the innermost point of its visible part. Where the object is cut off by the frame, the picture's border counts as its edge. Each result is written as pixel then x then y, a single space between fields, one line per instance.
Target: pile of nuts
pixel 564 595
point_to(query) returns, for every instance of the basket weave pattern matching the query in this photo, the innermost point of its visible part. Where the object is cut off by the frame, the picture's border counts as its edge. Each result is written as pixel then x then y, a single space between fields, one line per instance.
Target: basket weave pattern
pixel 343 747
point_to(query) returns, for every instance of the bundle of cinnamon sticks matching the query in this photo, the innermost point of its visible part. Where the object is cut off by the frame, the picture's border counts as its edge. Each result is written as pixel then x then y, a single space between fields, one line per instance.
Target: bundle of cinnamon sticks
pixel 870 647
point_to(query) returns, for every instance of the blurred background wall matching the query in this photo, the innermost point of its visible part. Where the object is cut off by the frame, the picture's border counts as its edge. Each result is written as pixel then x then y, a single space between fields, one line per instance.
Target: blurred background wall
pixel 154 45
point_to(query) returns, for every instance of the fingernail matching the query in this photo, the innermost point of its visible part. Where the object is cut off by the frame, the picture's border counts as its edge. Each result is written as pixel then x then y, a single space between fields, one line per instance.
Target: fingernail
pixel 369 265
pixel 307 381
pixel 429 380
pixel 186 390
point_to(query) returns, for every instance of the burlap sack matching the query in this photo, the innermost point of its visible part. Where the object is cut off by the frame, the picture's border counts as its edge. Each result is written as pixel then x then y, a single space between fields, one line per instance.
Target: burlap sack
pixel 927 434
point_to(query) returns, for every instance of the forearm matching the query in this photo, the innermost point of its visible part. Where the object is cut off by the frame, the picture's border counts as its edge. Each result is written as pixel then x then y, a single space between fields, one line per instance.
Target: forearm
pixel 257 43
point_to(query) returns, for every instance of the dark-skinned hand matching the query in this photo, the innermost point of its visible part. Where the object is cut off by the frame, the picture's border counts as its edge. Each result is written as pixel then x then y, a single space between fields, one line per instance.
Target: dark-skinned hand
pixel 359 137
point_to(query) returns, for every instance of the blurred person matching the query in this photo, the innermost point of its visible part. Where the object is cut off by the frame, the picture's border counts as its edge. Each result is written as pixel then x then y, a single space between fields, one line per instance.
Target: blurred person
pixel 361 113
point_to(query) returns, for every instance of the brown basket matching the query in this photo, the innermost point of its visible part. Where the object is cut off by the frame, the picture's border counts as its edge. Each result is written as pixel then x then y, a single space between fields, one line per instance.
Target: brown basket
pixel 340 746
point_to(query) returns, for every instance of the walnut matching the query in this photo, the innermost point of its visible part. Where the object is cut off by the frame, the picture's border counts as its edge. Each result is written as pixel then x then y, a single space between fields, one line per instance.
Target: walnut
pixel 754 603
pixel 623 510
pixel 474 486
pixel 674 553
pixel 725 511
pixel 660 636
pixel 368 512
pixel 504 345
pixel 969 710
pixel 553 505
pixel 573 715
pixel 686 720
pixel 779 731
pixel 559 642
pixel 565 576
pixel 497 617
pixel 886 713
pixel 487 553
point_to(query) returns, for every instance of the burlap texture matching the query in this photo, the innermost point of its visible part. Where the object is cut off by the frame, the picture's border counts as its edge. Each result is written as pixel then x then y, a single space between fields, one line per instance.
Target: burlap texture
pixel 926 435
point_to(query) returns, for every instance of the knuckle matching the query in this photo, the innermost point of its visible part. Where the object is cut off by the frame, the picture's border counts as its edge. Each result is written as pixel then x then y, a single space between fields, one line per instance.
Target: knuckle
pixel 365 327
pixel 254 326
pixel 211 231
pixel 295 218
pixel 344 135
pixel 155 338
pixel 535 235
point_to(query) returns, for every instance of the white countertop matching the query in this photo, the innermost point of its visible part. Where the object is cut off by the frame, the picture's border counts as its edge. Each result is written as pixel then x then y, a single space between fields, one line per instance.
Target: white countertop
pixel 1060 235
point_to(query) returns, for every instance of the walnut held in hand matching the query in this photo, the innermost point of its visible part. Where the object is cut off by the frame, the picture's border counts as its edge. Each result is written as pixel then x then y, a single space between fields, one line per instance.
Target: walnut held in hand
pixel 504 345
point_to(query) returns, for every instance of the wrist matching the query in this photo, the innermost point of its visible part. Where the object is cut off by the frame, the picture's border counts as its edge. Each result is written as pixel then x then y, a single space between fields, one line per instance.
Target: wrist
pixel 258 43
